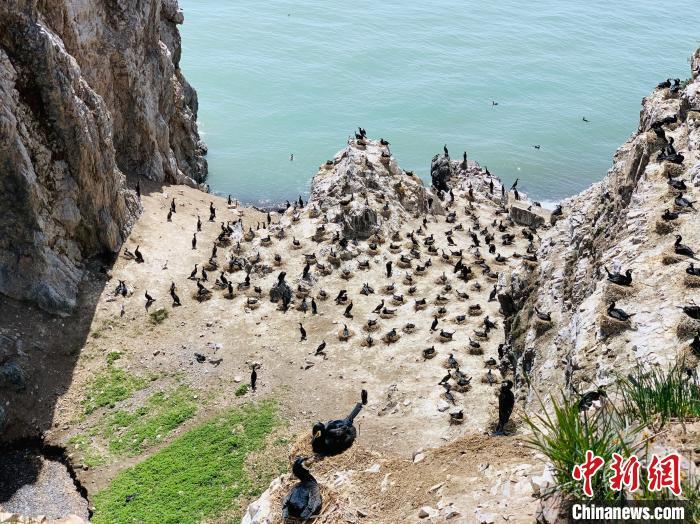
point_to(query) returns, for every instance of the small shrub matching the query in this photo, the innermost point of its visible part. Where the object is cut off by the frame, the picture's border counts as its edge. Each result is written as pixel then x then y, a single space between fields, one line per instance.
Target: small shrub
pixel 158 316
pixel 242 390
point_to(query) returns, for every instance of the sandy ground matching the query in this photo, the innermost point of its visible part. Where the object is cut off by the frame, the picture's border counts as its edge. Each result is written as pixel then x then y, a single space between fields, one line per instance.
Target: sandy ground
pixel 401 417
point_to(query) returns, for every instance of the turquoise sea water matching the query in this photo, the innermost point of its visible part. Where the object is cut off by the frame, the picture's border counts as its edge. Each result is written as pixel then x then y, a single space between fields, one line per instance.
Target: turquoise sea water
pixel 281 77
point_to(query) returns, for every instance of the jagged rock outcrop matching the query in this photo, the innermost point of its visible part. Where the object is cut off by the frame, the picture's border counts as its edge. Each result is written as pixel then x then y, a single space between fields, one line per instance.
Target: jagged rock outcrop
pixel 617 224
pixel 89 93
pixel 362 177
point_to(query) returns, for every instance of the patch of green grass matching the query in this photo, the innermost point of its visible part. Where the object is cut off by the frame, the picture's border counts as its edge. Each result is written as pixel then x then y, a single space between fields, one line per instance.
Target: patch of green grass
pixel 158 316
pixel 657 396
pixel 113 356
pixel 241 390
pixel 109 387
pixel 83 444
pixel 563 435
pixel 131 432
pixel 201 473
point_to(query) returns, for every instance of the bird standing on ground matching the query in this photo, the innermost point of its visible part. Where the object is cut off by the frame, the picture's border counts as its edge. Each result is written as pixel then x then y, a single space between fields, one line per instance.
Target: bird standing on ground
pixel 506 401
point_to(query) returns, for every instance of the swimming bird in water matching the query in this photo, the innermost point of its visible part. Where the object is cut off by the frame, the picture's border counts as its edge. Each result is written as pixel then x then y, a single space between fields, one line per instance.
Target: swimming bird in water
pixel 336 436
pixel 302 331
pixel 304 499
pixel 493 103
pixel 617 313
pixel 536 146
pixel 618 278
pixel 506 401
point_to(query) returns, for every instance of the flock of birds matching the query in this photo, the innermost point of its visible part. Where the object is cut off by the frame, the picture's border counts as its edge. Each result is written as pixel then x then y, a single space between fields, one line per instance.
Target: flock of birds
pixel 414 253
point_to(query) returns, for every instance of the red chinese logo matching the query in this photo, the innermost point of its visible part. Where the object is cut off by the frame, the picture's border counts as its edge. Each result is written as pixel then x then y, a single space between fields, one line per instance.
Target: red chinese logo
pixel 586 471
pixel 665 473
pixel 626 473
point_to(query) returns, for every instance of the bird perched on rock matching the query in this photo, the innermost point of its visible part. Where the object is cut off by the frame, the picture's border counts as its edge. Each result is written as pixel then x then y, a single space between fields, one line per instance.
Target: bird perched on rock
pixel 506 401
pixel 304 499
pixel 618 278
pixel 336 436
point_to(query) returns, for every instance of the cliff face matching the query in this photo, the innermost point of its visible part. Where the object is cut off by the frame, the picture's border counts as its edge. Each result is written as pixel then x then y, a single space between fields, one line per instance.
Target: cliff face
pixel 617 223
pixel 90 92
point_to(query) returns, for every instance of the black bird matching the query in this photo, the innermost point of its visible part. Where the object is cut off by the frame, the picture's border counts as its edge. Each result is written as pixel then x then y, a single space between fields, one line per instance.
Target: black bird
pixel 447 153
pixel 695 344
pixel 618 313
pixel 138 255
pixel 692 270
pixel 682 249
pixel 194 241
pixel 348 309
pixel 379 307
pixel 433 326
pixel 336 436
pixel 193 275
pixel 320 348
pixel 170 216
pixel 585 119
pixel 304 500
pixel 588 398
pixel 515 184
pixel 547 317
pixel 172 206
pixel 669 215
pixel 253 378
pixel 388 269
pixel 176 299
pixel 314 309
pixel 302 331
pixel 681 201
pixel 492 295
pixel 149 300
pixel 506 401
pixel 692 311
pixel 429 352
pixel 537 146
pixel 619 278
pixel 199 223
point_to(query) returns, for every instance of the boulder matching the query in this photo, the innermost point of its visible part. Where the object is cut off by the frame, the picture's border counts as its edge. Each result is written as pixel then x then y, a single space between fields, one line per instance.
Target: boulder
pixel 525 217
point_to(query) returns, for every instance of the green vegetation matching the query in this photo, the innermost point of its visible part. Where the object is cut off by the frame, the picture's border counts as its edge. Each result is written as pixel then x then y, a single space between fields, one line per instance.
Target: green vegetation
pixel 158 316
pixel 83 444
pixel 109 387
pixel 241 390
pixel 656 397
pixel 131 432
pixel 113 356
pixel 649 399
pixel 201 473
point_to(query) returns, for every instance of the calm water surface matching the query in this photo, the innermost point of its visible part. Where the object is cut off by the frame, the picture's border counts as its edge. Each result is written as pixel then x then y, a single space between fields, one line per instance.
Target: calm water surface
pixel 280 77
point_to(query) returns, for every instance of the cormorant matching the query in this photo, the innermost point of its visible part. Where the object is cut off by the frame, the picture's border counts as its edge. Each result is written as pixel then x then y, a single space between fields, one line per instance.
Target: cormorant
pixel 304 500
pixel 433 326
pixel 388 269
pixel 692 270
pixel 619 278
pixel 618 313
pixel 194 241
pixel 587 399
pixel 348 309
pixel 336 436
pixel 682 249
pixel 253 378
pixel 302 331
pixel 379 307
pixel 492 295
pixel 138 255
pixel 506 401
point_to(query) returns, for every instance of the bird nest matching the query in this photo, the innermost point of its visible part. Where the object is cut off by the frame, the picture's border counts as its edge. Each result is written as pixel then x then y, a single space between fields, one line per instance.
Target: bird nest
pixel 611 326
pixel 664 227
pixel 248 236
pixel 201 297
pixel 387 315
pixel 420 307
pixel 443 338
pixel 223 242
pixel 372 328
pixel 408 280
pixel 691 281
pixel 403 265
pixel 671 258
pixel 421 272
pixel 367 342
pixel 617 293
pixel 395 249
pixel 296 246
pixel 530 264
pixel 335 261
pixel 372 252
pixel 541 326
pixel 342 337
pixel 475 312
pixel 209 266
pixel 324 270
pixel 314 212
pixel 463 388
pixel 346 274
pixel 476 351
pixel 396 301
pixel 265 242
pixel 391 339
pixel 440 313
pixel 490 379
pixel 687 327
pixel 459 321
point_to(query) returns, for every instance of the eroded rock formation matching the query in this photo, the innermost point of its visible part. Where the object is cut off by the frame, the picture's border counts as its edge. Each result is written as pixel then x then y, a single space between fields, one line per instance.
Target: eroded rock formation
pixel 90 93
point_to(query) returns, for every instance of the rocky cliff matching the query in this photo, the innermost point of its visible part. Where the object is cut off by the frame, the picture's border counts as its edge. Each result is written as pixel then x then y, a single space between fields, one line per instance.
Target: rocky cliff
pixel 90 93
pixel 619 224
